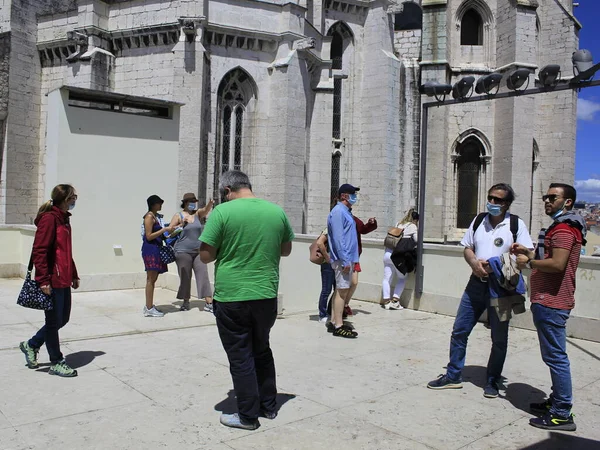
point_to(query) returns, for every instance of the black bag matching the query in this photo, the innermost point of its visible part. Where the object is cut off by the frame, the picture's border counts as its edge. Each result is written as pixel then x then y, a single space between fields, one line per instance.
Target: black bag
pixel 31 295
pixel 167 254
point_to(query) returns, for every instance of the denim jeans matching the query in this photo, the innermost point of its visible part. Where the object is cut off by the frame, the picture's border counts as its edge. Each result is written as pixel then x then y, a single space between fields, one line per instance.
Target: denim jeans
pixel 55 319
pixel 551 325
pixel 327 284
pixel 244 329
pixel 475 300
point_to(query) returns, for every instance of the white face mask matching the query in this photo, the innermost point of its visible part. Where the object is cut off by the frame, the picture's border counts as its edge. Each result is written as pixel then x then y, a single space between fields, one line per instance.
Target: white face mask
pixel 192 206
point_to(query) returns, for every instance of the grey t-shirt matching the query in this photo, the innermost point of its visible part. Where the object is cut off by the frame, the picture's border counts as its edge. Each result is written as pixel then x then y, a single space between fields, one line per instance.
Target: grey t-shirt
pixel 188 242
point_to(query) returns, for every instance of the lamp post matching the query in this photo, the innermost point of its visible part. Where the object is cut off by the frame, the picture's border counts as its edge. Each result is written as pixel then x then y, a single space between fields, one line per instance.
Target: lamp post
pixel 549 76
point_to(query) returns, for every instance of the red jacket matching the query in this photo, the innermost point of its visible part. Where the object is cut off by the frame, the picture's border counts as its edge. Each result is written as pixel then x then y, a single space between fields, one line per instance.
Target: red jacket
pixel 52 250
pixel 363 228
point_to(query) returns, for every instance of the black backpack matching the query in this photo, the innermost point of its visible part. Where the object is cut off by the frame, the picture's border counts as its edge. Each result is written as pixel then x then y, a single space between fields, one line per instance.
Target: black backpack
pixel 514 224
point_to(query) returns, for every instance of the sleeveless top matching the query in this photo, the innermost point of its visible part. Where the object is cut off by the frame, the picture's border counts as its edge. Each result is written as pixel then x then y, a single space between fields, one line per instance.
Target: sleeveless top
pixel 188 240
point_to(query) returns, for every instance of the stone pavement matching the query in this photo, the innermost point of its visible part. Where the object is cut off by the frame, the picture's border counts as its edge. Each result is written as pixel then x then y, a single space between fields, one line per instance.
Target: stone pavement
pixel 161 383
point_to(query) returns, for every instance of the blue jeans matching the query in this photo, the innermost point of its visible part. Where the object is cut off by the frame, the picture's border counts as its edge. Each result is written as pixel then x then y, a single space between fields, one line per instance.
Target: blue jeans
pixel 327 284
pixel 244 329
pixel 475 300
pixel 55 319
pixel 551 325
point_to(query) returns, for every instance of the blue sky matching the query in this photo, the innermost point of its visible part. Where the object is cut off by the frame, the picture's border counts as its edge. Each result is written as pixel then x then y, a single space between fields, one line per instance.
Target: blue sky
pixel 587 159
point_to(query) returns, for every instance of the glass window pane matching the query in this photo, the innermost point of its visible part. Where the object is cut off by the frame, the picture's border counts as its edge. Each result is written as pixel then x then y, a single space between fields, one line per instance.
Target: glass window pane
pixel 239 117
pixel 226 139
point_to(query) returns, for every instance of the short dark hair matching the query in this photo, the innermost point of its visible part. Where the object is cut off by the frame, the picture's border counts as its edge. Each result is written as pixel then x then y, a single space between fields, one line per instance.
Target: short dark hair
pixel 510 194
pixel 414 215
pixel 568 191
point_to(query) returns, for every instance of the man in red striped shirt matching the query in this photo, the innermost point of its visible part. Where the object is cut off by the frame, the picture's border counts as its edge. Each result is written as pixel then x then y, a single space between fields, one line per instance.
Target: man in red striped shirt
pixel 554 265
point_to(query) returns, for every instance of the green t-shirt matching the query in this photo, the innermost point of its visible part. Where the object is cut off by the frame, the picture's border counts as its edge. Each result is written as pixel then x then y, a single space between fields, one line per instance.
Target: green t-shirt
pixel 247 233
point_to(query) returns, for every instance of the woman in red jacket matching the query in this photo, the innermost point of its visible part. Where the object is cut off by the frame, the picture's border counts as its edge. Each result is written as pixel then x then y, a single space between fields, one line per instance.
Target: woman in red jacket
pixel 55 272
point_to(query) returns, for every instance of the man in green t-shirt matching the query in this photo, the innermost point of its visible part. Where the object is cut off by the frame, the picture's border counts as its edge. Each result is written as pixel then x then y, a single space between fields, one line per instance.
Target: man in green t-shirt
pixel 247 236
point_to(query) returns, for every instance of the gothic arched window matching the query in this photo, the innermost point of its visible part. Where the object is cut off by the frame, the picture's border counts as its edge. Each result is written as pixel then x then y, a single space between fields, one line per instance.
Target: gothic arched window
pixel 411 17
pixel 235 92
pixel 471 28
pixel 468 167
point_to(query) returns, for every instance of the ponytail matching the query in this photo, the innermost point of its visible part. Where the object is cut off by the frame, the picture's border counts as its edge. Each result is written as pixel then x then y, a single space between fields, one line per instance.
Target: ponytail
pixel 45 207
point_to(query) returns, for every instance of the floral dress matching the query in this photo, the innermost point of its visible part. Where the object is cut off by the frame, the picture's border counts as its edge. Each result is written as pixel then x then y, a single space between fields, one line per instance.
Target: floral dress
pixel 151 251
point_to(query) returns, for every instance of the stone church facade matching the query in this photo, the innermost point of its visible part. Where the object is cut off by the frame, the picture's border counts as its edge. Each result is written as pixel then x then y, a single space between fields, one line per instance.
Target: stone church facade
pixel 304 95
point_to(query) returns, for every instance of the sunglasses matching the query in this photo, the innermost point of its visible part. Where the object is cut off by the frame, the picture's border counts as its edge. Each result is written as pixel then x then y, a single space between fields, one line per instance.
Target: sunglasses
pixel 496 199
pixel 550 198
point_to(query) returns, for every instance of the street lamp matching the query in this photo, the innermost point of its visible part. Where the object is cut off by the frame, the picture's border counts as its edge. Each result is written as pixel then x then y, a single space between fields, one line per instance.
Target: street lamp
pixel 436 89
pixel 549 75
pixel 486 84
pixel 517 78
pixel 464 88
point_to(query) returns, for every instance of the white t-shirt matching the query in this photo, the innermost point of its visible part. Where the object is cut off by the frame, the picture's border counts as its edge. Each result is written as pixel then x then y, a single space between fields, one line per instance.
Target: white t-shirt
pixel 410 230
pixel 488 242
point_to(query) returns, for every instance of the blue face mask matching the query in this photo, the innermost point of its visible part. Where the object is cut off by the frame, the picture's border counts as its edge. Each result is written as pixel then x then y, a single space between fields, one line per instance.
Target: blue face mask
pixel 494 210
pixel 71 206
pixel 191 206
pixel 560 212
pixel 352 199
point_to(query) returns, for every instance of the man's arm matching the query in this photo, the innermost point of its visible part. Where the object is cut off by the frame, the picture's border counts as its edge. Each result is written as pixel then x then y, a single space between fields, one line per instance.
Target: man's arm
pixel 476 265
pixel 556 264
pixel 366 228
pixel 286 248
pixel 208 253
pixel 323 248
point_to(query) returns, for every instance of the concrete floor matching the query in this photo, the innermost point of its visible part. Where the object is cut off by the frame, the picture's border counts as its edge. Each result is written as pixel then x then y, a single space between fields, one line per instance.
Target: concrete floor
pixel 148 383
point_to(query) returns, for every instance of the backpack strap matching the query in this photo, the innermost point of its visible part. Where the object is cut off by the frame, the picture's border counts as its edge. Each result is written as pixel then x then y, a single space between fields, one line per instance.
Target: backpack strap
pixel 514 226
pixel 478 221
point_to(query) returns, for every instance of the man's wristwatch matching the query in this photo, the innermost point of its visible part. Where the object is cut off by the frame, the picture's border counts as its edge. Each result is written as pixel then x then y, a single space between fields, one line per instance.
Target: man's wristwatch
pixel 528 265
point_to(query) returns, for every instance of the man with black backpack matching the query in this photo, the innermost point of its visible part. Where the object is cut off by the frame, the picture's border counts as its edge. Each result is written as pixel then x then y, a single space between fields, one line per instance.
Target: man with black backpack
pixel 490 234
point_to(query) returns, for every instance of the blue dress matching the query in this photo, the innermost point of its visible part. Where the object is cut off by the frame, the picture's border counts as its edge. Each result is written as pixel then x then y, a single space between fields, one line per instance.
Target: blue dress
pixel 151 251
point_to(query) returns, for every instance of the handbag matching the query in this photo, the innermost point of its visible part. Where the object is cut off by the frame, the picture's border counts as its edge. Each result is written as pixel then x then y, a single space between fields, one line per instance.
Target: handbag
pixel 31 295
pixel 167 254
pixel 394 234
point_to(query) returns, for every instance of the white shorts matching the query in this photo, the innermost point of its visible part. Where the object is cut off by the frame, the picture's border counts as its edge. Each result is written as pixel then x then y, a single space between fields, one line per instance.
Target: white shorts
pixel 342 280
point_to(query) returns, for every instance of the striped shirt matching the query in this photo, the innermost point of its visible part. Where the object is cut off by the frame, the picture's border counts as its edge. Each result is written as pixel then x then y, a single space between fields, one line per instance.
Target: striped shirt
pixel 557 290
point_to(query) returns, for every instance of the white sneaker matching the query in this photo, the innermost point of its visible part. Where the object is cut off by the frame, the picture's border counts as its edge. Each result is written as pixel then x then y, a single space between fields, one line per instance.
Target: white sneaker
pixel 323 319
pixel 152 312
pixel 395 304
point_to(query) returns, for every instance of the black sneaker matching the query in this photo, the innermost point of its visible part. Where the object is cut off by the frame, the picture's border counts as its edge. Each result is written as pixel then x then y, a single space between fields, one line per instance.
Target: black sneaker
pixel 268 415
pixel 345 332
pixel 443 382
pixel 541 408
pixel 330 327
pixel 552 422
pixel 490 390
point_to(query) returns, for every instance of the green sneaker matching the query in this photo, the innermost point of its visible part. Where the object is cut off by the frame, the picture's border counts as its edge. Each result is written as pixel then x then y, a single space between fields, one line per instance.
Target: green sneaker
pixel 30 354
pixel 62 369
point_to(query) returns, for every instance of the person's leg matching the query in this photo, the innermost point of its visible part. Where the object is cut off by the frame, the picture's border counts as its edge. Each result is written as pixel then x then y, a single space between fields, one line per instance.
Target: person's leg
pixel 499 333
pixel 352 289
pixel 184 263
pixel 400 283
pixel 234 323
pixel 551 326
pixel 327 276
pixel 264 314
pixel 202 280
pixel 151 277
pixel 54 319
pixel 388 273
pixel 471 307
pixel 337 306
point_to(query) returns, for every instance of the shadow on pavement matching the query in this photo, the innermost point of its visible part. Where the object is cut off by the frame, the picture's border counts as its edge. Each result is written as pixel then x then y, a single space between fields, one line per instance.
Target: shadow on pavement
pixel 83 358
pixel 229 405
pixel 75 360
pixel 559 441
pixel 520 395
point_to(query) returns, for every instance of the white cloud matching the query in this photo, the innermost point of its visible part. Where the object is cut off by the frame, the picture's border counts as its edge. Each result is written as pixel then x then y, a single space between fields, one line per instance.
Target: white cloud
pixel 586 109
pixel 588 190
